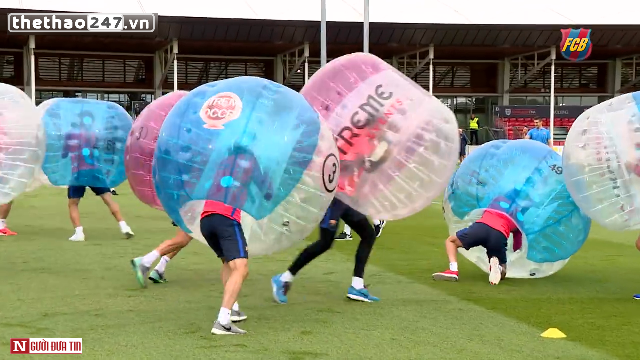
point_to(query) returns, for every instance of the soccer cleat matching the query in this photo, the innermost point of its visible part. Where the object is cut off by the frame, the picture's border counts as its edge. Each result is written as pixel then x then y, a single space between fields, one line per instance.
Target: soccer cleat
pixel 280 289
pixel 140 270
pixel 114 192
pixel 361 295
pixel 494 271
pixel 446 276
pixel 7 232
pixel 636 297
pixel 77 237
pixel 378 228
pixel 344 236
pixel 157 277
pixel 229 329
pixel 237 315
pixel 127 232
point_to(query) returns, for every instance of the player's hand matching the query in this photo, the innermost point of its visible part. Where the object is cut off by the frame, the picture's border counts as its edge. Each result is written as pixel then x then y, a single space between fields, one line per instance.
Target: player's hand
pixel 333 222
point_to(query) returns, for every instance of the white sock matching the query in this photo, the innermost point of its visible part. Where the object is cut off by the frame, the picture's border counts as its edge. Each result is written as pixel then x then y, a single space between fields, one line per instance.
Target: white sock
pixel 287 276
pixel 148 259
pixel 123 225
pixel 235 306
pixel 347 229
pixel 3 223
pixel 224 316
pixel 162 264
pixel 357 282
pixel 79 230
pixel 453 266
pixel 376 222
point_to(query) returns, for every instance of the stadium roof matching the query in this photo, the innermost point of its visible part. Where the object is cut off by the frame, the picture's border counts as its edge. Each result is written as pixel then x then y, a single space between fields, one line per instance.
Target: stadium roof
pixel 488 12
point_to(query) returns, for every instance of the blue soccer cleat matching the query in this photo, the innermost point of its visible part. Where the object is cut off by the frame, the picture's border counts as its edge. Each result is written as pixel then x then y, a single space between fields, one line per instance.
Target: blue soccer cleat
pixel 280 289
pixel 636 297
pixel 361 295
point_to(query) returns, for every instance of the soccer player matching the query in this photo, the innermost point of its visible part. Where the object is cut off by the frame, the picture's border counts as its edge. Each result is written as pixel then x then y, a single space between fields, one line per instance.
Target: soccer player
pixel 5 209
pixel 166 251
pixel 79 146
pixel 540 134
pixel 378 225
pixel 464 141
pixel 491 232
pixel 337 210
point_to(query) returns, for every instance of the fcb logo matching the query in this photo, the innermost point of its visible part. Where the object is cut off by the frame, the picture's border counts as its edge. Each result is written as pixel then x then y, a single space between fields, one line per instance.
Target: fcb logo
pixel 576 44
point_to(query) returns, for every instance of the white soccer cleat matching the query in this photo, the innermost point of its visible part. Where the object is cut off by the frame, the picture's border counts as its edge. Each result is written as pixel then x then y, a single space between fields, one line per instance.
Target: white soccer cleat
pixel 77 237
pixel 127 232
pixel 495 274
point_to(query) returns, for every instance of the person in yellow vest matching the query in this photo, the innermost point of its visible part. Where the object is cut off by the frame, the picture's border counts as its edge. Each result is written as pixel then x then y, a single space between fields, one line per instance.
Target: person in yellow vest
pixel 473 129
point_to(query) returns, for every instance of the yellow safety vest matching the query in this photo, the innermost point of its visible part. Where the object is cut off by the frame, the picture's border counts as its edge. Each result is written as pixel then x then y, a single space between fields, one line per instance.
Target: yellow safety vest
pixel 473 124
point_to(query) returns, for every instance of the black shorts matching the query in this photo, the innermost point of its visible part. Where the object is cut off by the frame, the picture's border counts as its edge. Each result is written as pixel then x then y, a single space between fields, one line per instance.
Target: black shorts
pixel 463 152
pixel 479 234
pixel 77 192
pixel 225 236
pixel 338 210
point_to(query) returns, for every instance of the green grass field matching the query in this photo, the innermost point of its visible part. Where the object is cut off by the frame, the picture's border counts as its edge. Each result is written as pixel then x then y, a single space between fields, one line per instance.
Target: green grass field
pixel 51 287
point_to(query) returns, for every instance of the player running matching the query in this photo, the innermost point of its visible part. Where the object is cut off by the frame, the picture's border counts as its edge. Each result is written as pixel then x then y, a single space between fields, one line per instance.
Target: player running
pixel 80 147
pixel 337 210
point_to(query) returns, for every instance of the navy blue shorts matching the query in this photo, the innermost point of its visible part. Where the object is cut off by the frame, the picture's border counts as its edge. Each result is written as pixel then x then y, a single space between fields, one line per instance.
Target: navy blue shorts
pixel 77 192
pixel 338 210
pixel 224 236
pixel 480 234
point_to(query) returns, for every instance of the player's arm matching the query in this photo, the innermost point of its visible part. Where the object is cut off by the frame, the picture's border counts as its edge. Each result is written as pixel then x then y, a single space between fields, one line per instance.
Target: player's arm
pixel 549 142
pixel 262 180
pixel 528 136
pixel 517 240
pixel 65 147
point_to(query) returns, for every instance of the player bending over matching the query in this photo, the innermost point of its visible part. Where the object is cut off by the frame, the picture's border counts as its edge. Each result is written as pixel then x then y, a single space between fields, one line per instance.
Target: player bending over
pixel 337 210
pixel 167 251
pixel 491 232
pixel 378 225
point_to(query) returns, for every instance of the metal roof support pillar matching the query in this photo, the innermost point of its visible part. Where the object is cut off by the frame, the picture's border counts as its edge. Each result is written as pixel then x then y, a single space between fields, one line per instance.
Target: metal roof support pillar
pixel 504 78
pixel 615 77
pixel 365 30
pixel 292 60
pixel 323 33
pixel 552 93
pixel 29 61
pixel 162 61
pixel 279 73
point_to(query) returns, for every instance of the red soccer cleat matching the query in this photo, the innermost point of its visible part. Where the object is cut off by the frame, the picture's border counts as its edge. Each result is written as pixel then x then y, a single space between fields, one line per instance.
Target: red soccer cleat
pixel 446 276
pixel 7 232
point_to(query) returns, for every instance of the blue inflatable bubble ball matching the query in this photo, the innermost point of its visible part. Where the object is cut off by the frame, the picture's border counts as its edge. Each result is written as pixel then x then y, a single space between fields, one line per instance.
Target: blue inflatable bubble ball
pixel 252 144
pixel 523 179
pixel 85 142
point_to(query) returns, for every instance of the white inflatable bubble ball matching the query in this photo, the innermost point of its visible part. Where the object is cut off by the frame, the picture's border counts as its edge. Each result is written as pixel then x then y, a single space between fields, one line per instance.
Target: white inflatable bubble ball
pixel 22 142
pixel 601 160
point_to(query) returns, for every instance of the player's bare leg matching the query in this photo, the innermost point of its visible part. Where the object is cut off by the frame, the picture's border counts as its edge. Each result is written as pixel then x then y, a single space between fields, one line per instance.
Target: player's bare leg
pixel 5 209
pixel 451 244
pixel 74 216
pixel 113 206
pixel 141 265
